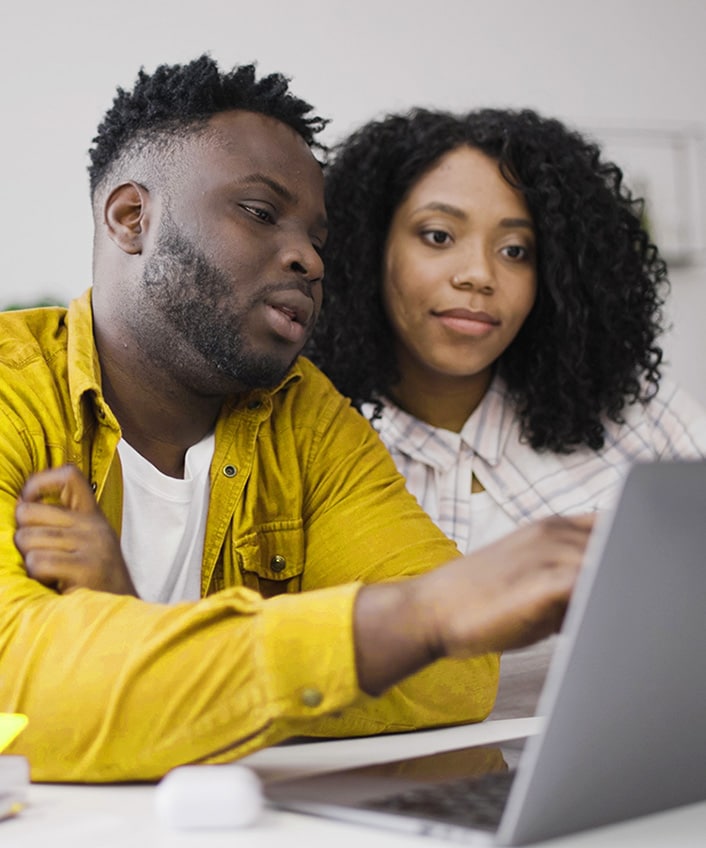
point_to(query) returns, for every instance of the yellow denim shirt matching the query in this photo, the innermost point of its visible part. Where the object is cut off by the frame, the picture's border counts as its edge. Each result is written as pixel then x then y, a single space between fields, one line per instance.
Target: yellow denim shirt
pixel 306 505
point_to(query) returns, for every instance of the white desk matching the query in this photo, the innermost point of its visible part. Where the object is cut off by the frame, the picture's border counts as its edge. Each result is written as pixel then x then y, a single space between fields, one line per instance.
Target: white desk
pixel 112 816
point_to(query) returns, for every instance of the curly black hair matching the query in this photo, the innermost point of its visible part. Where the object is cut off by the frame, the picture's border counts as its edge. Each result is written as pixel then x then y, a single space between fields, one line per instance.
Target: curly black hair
pixel 177 99
pixel 588 346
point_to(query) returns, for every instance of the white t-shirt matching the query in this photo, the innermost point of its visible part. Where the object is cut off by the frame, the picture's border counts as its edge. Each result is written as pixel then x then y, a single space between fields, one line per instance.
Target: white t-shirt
pixel 164 523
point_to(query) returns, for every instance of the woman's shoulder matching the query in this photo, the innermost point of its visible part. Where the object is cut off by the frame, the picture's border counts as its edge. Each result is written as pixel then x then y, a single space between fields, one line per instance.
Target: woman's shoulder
pixel 670 425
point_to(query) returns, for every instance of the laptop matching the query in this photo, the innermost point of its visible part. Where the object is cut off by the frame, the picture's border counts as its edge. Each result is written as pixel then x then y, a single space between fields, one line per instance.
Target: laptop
pixel 624 701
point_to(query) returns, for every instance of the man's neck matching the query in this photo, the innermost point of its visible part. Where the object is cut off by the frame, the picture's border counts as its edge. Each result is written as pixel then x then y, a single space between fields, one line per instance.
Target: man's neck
pixel 161 422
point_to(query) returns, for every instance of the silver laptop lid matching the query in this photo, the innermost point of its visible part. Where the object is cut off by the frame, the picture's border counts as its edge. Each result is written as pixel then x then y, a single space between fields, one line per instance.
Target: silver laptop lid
pixel 625 698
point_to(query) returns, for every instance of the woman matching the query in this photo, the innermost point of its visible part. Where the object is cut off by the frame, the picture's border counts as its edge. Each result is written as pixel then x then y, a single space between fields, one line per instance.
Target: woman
pixel 492 305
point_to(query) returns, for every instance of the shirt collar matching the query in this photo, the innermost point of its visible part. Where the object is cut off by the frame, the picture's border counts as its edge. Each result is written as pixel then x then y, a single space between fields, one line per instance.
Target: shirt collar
pixel 84 369
pixel 489 427
pixel 484 433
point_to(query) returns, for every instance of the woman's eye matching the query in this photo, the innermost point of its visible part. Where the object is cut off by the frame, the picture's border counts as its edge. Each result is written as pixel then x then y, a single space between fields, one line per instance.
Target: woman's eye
pixel 516 251
pixel 436 237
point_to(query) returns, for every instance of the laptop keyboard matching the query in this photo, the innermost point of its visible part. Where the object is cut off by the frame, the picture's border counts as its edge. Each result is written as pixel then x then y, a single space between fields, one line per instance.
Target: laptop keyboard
pixel 472 802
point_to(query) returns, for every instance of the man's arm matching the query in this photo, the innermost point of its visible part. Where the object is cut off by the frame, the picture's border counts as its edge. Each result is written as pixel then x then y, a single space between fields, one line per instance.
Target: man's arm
pixel 502 597
pixel 512 597
pixel 119 689
pixel 505 596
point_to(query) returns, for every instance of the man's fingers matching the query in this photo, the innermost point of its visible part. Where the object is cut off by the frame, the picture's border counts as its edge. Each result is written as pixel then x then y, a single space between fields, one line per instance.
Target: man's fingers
pixel 584 521
pixel 50 569
pixel 574 529
pixel 43 539
pixel 28 514
pixel 63 573
pixel 64 486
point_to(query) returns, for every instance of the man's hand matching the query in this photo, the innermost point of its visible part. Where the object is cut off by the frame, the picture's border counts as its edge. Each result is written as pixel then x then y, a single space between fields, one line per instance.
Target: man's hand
pixel 64 537
pixel 507 595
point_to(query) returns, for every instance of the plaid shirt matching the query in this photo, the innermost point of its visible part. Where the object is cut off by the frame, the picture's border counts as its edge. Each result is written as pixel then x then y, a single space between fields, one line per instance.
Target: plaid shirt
pixel 522 483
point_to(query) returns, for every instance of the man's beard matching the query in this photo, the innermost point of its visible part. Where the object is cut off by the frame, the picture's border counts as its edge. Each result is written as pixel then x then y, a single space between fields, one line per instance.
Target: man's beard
pixel 194 298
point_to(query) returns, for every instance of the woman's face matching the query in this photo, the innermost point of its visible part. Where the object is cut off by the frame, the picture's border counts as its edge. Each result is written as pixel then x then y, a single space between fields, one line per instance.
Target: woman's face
pixel 459 274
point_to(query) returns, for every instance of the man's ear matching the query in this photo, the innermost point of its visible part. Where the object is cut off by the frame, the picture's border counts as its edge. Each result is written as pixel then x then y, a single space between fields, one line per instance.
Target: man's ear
pixel 125 216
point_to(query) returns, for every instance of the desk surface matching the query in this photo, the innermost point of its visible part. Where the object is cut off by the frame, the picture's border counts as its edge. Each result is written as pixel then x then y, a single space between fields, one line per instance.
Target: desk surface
pixel 108 816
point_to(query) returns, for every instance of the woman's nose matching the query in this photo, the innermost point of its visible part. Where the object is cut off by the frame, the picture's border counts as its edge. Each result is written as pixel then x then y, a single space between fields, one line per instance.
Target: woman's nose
pixel 476 273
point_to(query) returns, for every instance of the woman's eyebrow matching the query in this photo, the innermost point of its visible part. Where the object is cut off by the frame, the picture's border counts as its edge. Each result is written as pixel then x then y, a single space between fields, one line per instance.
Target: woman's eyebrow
pixel 438 206
pixel 517 222
pixel 456 212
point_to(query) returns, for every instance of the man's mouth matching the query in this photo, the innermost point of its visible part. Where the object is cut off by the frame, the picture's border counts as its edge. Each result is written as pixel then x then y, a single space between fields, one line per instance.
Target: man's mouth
pixel 291 314
pixel 293 304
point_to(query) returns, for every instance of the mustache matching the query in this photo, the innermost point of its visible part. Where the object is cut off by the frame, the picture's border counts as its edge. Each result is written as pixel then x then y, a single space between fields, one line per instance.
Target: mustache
pixel 306 287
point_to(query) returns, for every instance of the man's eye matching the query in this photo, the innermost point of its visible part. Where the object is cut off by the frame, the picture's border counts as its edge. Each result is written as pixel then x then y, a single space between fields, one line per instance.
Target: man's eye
pixel 260 213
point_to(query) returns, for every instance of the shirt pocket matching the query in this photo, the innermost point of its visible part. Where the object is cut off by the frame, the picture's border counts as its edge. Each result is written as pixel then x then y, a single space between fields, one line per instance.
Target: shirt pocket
pixel 271 558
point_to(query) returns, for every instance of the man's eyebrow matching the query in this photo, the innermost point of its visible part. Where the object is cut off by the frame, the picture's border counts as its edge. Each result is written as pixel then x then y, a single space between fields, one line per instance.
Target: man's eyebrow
pixel 280 191
pixel 263 179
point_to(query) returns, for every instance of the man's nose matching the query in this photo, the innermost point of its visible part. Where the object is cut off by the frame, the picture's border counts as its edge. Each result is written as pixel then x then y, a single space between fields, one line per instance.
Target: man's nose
pixel 304 258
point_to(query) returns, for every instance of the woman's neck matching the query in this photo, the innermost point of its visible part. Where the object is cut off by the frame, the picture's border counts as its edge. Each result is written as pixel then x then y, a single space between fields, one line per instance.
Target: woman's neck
pixel 440 400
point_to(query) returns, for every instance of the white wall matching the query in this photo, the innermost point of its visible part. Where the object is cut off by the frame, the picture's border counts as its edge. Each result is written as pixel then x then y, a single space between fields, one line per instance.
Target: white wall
pixel 591 63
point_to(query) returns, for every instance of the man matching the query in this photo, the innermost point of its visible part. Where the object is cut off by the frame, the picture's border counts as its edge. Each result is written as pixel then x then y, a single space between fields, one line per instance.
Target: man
pixel 248 498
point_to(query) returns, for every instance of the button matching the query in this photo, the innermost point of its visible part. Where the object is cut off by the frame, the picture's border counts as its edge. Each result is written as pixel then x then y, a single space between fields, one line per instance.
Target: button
pixel 230 470
pixel 94 487
pixel 311 697
pixel 278 563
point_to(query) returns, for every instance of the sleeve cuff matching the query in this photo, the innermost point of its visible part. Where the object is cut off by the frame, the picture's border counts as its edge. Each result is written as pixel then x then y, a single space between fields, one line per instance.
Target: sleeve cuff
pixel 309 651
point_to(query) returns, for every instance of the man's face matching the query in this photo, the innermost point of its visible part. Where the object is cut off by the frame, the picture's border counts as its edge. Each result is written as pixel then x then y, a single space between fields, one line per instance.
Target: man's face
pixel 231 286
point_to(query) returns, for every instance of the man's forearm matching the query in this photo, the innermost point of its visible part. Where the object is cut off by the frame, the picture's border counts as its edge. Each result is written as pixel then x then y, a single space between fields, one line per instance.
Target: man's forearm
pixel 390 642
pixel 504 596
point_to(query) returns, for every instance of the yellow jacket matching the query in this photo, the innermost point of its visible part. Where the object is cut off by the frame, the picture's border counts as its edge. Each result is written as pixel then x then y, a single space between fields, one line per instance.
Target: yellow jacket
pixel 303 497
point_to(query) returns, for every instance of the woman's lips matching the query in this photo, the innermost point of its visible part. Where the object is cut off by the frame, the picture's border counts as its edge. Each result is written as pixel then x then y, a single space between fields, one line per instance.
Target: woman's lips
pixel 467 322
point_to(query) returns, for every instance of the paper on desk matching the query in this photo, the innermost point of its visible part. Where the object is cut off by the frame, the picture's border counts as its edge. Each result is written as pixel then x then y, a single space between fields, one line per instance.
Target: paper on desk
pixel 14 771
pixel 11 725
pixel 14 780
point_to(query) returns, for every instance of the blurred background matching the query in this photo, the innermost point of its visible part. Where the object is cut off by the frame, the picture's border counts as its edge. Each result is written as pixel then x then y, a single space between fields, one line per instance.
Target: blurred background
pixel 629 73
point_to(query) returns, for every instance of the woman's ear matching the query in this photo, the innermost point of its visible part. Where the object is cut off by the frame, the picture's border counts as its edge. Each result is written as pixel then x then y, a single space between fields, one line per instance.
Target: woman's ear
pixel 125 216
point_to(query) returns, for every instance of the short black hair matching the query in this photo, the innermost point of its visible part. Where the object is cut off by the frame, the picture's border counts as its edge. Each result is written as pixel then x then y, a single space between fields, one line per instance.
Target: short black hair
pixel 587 348
pixel 177 98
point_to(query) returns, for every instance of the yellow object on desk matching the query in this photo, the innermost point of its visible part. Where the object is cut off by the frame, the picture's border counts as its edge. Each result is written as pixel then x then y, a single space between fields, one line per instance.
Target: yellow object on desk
pixel 11 725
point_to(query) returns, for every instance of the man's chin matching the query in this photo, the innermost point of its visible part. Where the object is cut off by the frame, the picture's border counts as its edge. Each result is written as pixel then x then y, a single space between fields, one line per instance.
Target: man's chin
pixel 260 373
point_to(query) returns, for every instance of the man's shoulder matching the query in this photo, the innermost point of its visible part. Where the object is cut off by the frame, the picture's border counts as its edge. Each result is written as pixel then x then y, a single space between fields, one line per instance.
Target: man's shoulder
pixel 28 334
pixel 309 384
pixel 306 368
pixel 307 400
